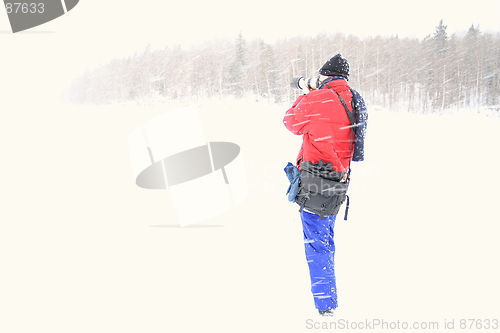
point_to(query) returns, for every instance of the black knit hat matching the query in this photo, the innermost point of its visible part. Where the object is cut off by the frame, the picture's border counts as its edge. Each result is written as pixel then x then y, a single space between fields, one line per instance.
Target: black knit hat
pixel 336 66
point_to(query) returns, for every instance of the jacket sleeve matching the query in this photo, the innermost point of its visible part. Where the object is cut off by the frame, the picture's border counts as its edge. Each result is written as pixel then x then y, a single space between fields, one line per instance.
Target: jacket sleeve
pixel 295 120
pixel 362 121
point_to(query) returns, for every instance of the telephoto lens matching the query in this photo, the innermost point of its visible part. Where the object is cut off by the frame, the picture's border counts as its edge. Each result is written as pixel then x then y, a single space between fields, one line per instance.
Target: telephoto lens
pixel 302 83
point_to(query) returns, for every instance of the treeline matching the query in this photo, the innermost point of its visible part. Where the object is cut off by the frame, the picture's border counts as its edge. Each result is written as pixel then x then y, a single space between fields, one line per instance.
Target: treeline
pixel 436 73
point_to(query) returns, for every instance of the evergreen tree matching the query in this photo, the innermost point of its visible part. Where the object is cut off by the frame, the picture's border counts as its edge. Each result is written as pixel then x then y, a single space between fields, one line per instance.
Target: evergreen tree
pixel 267 72
pixel 473 32
pixel 237 69
pixel 472 67
pixel 441 37
pixel 439 70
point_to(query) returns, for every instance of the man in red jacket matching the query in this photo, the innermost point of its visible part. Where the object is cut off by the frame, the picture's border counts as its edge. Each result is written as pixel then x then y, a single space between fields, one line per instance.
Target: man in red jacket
pixel 332 120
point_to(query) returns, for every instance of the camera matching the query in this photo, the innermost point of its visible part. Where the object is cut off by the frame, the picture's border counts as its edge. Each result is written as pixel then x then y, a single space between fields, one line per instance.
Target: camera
pixel 300 82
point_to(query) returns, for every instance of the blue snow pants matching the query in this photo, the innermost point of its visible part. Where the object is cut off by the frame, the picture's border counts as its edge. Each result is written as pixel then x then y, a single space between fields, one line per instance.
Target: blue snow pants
pixel 320 250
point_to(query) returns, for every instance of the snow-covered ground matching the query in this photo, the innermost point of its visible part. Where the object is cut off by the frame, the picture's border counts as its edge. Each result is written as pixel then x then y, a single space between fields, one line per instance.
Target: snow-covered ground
pixel 83 249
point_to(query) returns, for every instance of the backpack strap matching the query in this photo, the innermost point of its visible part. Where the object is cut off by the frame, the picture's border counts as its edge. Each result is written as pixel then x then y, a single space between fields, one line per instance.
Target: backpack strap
pixel 350 114
pixel 346 208
pixel 352 119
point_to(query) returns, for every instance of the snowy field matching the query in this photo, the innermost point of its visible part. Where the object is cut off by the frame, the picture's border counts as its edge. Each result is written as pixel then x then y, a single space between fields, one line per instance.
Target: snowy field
pixel 83 249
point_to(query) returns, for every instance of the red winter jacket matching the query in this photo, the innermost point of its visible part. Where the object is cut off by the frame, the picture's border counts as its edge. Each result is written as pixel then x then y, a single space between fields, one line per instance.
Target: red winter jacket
pixel 322 120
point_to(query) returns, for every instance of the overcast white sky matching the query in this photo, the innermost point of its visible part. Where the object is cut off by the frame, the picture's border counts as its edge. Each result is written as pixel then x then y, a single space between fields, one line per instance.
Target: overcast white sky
pixel 195 21
pixel 125 25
